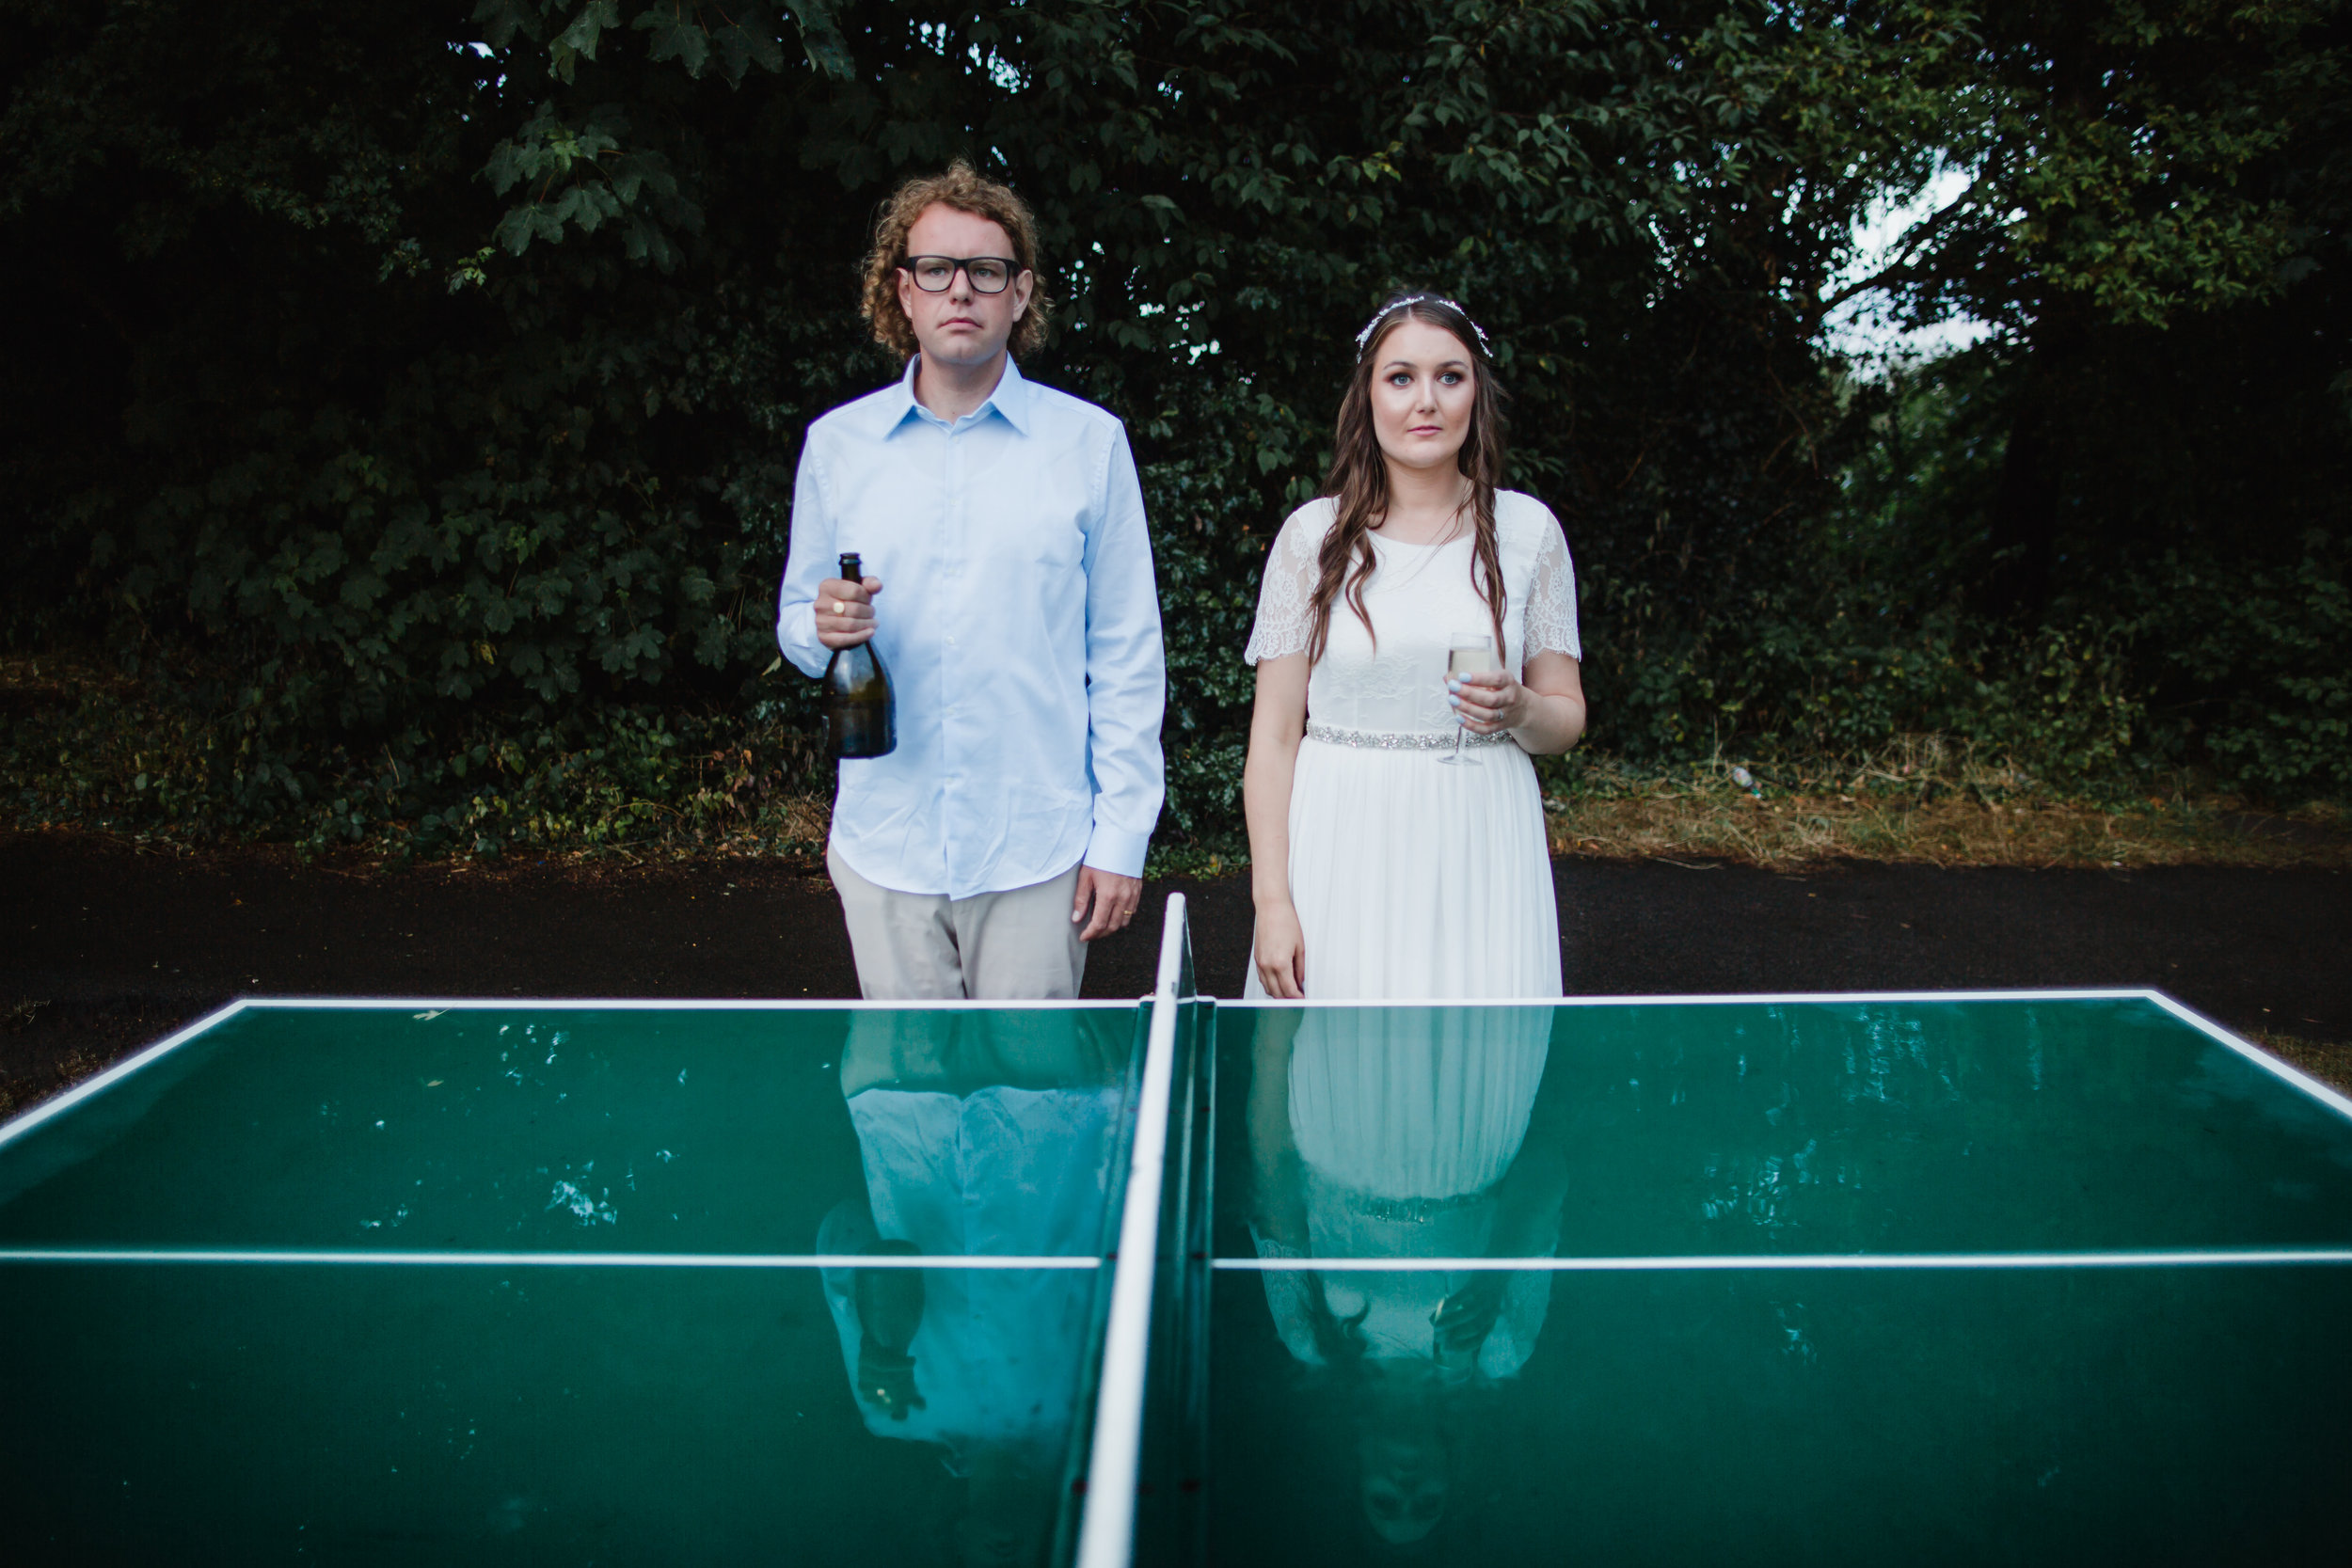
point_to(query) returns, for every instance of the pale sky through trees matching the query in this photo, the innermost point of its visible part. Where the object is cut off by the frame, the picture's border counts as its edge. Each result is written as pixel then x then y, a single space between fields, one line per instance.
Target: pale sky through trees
pixel 1863 329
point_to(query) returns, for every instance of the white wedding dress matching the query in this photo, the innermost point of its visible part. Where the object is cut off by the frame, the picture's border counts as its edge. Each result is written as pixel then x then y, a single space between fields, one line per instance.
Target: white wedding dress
pixel 1414 879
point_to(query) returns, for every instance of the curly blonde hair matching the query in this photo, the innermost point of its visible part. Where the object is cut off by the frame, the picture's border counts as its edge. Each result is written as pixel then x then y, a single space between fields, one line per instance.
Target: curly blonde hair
pixel 963 189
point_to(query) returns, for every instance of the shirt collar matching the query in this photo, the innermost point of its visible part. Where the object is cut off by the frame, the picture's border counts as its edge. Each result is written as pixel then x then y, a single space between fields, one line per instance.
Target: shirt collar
pixel 1011 399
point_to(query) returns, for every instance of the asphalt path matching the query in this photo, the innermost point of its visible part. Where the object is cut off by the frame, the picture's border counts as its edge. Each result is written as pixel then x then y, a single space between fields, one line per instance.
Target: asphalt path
pixel 103 948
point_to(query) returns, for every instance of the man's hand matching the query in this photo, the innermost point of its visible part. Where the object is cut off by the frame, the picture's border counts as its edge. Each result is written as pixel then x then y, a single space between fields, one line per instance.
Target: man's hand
pixel 845 611
pixel 1114 898
pixel 886 1376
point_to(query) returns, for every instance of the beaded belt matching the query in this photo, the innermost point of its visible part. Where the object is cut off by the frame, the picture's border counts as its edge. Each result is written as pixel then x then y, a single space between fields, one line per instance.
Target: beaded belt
pixel 1402 740
pixel 1410 1210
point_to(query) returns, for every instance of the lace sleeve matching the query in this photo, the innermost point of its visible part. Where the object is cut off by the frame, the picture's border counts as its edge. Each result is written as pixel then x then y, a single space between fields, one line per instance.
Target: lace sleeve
pixel 1550 626
pixel 1283 599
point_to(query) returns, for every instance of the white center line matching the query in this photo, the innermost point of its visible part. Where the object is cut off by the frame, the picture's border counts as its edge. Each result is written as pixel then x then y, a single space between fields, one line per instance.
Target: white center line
pixel 356 1258
pixel 1825 1261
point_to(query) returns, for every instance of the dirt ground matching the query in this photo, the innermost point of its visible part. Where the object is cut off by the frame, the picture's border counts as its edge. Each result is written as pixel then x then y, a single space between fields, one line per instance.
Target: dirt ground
pixel 104 948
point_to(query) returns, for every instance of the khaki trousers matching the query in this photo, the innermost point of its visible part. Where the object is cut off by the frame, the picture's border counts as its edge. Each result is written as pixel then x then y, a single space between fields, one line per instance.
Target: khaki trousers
pixel 1019 944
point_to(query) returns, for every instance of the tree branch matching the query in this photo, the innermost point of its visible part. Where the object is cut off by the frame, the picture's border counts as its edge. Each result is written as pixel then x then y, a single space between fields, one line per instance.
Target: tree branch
pixel 1901 267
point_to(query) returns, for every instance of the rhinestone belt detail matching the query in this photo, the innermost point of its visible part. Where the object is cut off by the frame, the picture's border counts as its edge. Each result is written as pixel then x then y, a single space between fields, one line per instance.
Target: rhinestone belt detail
pixel 1402 740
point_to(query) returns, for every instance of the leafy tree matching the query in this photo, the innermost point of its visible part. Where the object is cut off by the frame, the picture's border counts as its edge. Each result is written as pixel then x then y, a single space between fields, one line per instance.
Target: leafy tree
pixel 2134 170
pixel 415 390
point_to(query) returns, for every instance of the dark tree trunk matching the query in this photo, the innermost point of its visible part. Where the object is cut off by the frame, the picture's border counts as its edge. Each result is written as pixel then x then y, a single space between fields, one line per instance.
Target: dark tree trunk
pixel 2025 514
pixel 2022 537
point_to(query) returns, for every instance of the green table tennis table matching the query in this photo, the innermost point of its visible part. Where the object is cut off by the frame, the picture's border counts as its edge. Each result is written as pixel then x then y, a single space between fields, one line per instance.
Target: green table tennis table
pixel 1952 1277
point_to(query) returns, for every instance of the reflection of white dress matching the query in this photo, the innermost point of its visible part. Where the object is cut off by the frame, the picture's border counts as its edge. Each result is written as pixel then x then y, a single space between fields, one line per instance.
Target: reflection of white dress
pixel 1404 1120
pixel 1413 879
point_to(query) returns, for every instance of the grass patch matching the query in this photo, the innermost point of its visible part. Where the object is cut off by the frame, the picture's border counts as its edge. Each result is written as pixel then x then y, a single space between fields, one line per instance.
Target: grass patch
pixel 84 750
pixel 1929 799
pixel 2330 1061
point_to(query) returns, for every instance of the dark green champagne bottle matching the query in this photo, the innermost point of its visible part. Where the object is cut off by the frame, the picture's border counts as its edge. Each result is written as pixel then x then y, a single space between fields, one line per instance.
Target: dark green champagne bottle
pixel 860 713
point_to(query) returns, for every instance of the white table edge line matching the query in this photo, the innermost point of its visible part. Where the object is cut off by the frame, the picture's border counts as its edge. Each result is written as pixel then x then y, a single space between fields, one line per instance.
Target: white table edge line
pixel 2269 1063
pixel 2117 993
pixel 682 1004
pixel 302 1256
pixel 116 1074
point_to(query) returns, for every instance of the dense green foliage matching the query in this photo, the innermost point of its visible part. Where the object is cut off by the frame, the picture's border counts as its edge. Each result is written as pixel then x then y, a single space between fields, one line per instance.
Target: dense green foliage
pixel 407 395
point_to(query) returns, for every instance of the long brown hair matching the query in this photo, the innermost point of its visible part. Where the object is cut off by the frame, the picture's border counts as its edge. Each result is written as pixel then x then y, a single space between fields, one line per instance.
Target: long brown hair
pixel 1360 474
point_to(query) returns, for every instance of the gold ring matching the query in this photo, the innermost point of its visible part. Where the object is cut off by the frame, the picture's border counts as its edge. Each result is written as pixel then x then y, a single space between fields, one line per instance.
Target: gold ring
pixel 839 606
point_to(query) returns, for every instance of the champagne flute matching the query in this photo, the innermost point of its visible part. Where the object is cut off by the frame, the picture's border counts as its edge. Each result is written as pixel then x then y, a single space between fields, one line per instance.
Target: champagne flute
pixel 1468 653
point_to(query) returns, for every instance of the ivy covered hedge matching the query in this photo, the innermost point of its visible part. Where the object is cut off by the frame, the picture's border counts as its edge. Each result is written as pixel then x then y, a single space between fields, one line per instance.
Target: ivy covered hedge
pixel 404 399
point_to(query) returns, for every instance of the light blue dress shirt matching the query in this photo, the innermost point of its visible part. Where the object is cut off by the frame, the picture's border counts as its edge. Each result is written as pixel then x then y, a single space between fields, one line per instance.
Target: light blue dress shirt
pixel 1020 624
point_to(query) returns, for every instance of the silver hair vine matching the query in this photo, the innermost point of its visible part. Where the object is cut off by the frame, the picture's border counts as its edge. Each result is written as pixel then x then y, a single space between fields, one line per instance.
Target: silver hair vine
pixel 1393 306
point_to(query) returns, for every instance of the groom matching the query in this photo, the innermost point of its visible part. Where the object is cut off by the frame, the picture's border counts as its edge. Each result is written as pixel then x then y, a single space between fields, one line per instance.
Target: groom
pixel 1021 625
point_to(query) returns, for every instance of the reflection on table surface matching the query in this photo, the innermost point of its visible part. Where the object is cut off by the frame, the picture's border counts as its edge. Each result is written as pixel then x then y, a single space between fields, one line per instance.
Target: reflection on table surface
pixel 533 1357
pixel 1407 1134
pixel 1365 1395
pixel 993 1136
pixel 1654 1416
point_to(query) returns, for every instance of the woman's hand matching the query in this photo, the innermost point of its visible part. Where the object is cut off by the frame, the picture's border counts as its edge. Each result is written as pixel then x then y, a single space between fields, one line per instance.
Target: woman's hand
pixel 1462 1321
pixel 1544 713
pixel 1282 955
pixel 1489 702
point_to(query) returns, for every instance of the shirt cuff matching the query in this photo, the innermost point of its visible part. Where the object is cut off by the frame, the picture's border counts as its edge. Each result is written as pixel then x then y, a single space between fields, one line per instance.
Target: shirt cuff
pixel 796 638
pixel 1117 850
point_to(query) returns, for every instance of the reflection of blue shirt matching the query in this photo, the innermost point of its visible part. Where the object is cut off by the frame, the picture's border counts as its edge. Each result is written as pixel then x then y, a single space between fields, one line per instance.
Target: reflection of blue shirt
pixel 1004 1172
pixel 1020 624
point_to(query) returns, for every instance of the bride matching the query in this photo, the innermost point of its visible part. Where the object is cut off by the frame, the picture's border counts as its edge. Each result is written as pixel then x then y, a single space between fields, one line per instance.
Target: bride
pixel 1379 869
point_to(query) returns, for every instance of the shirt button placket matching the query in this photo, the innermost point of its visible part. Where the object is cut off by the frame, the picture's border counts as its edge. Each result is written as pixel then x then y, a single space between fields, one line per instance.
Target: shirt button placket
pixel 951 513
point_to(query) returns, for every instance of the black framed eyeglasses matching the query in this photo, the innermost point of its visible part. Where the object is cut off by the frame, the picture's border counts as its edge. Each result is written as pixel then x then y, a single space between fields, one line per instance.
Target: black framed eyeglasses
pixel 989 275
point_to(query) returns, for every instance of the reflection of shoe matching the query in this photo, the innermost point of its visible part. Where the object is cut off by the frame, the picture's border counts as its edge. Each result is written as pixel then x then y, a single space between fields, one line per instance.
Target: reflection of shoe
pixel 890 1301
pixel 890 1307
